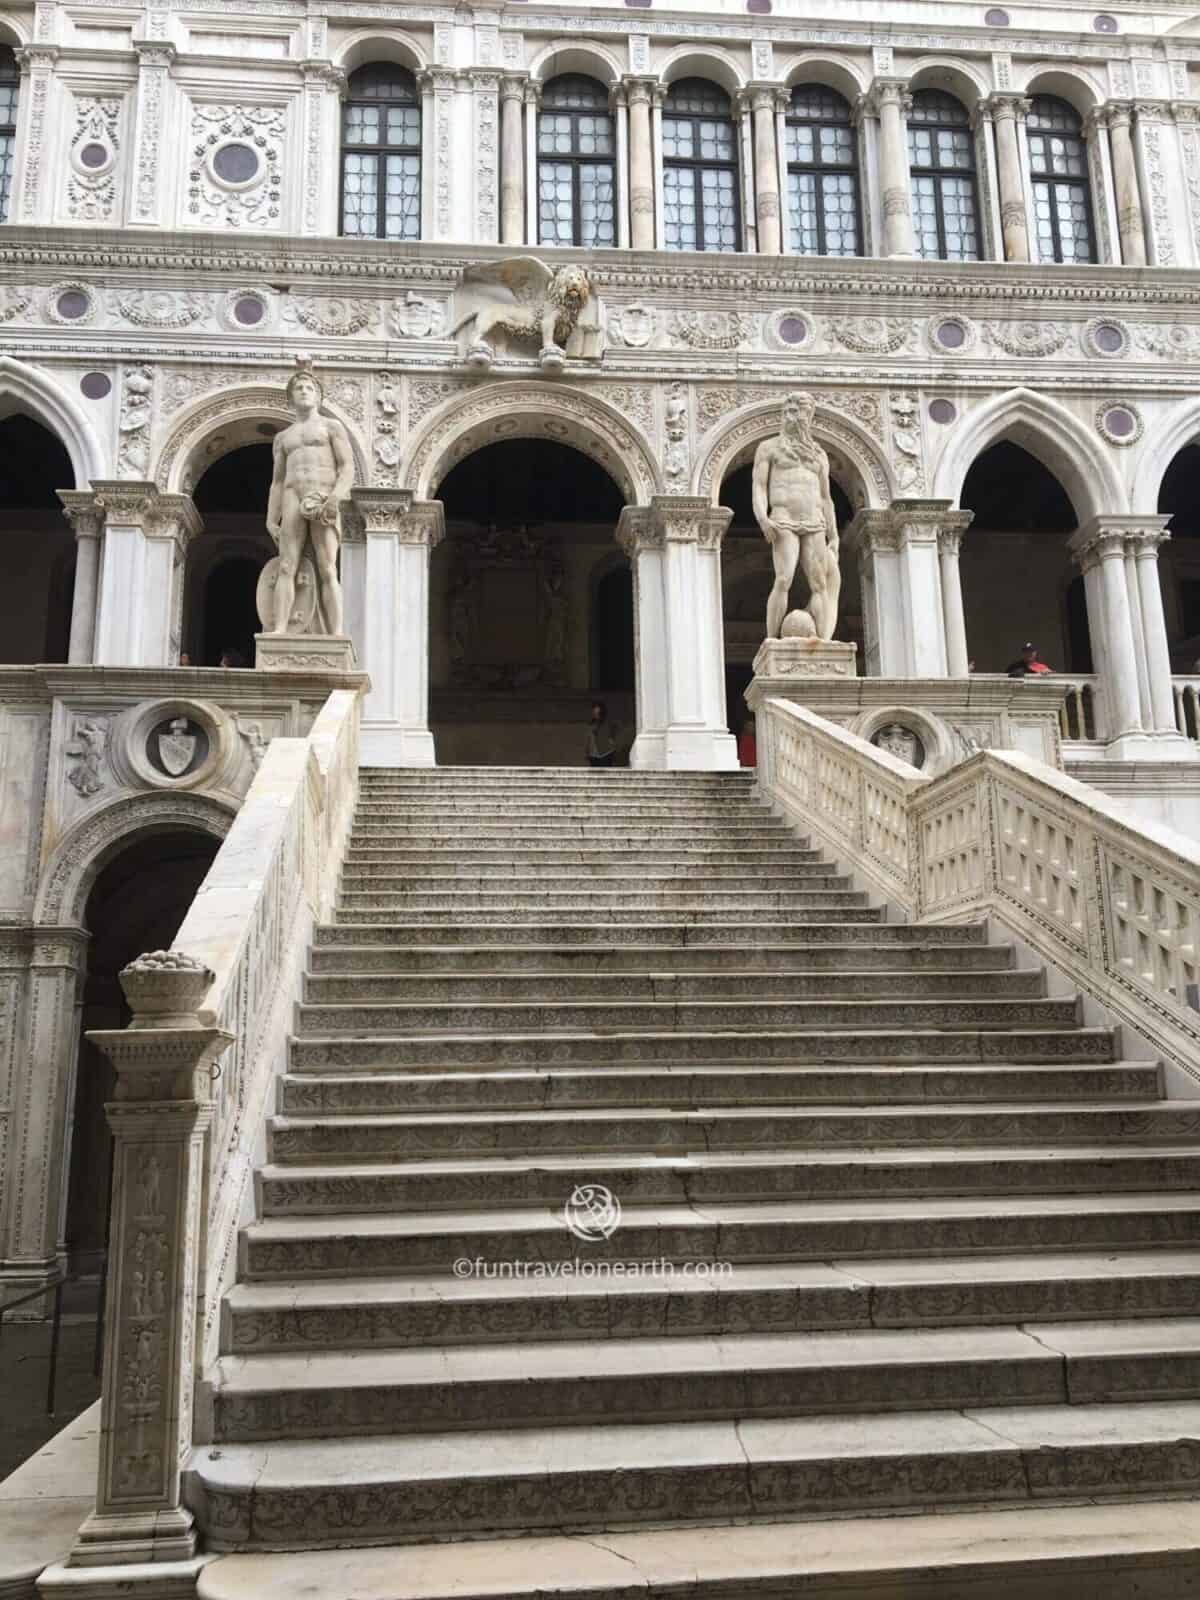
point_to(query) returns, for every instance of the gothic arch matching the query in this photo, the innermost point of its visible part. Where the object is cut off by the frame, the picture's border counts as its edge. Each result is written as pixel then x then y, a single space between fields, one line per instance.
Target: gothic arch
pixel 530 410
pixel 856 460
pixel 1044 427
pixel 1163 442
pixel 217 424
pixel 28 389
pixel 78 857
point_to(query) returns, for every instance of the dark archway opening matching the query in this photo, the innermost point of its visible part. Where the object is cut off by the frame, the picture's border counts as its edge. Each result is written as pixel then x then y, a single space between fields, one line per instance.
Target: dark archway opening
pixel 137 903
pixel 746 577
pixel 1018 576
pixel 528 615
pixel 1179 499
pixel 225 561
pixel 37 545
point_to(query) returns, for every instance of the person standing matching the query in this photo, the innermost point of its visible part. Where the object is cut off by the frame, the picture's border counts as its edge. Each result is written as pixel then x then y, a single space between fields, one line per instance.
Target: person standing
pixel 601 747
pixel 1028 665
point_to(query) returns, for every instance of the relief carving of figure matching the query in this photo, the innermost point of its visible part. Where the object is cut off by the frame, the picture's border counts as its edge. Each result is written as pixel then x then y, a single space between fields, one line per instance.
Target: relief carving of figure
pixel 524 299
pixel 794 509
pixel 554 593
pixel 87 751
pixel 314 469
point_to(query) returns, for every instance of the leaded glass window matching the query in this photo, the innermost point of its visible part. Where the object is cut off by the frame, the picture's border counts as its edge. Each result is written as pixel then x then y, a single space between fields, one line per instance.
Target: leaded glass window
pixel 381 154
pixel 822 173
pixel 700 168
pixel 10 86
pixel 941 156
pixel 1058 169
pixel 576 164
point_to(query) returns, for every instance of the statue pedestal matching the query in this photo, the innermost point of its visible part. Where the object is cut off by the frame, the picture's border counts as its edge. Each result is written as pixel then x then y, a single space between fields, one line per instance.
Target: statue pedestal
pixel 783 666
pixel 303 652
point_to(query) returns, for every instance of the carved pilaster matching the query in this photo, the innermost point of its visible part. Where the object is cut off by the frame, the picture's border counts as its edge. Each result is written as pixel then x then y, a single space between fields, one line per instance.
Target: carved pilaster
pixel 156 57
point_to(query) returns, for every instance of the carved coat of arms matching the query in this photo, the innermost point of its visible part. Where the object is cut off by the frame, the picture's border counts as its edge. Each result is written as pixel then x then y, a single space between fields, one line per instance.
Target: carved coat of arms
pixel 177 749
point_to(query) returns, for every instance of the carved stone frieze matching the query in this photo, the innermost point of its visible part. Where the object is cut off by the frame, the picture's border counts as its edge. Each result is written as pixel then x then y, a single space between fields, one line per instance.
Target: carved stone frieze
pixel 633 400
pixel 159 309
pixel 190 383
pixel 713 330
pixel 332 317
pixel 14 302
pixel 677 457
pixel 95 148
pixel 877 336
pixel 414 317
pixel 1027 339
pixel 633 325
pixel 907 462
pixel 137 410
pixel 426 394
pixel 241 192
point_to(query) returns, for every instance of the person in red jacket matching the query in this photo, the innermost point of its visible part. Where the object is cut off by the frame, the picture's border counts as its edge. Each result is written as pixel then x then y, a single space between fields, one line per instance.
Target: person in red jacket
pixel 1028 663
pixel 747 748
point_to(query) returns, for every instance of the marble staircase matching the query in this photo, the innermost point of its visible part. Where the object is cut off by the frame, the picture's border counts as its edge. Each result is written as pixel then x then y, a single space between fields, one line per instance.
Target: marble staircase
pixel 963 1233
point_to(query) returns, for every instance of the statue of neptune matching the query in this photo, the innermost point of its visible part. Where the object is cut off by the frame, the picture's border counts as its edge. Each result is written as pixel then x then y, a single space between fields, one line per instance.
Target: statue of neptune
pixel 792 506
pixel 314 468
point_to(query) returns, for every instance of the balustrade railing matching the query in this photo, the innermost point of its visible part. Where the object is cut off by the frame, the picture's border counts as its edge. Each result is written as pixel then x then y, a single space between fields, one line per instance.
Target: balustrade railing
pixel 1186 690
pixel 195 1070
pixel 1112 902
pixel 1081 716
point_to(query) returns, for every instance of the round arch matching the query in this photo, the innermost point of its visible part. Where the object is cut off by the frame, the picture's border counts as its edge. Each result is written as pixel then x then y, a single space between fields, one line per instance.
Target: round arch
pixel 370 44
pixel 530 410
pixel 565 55
pixel 216 425
pixel 1067 83
pixel 26 388
pixel 835 72
pixel 12 34
pixel 1051 433
pixel 82 852
pixel 856 460
pixel 718 65
pixel 953 77
pixel 1163 442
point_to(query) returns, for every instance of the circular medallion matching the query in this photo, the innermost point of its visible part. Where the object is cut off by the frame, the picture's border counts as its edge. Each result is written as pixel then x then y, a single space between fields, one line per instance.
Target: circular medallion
pixel 951 334
pixel 72 304
pixel 236 164
pixel 900 742
pixel 1106 337
pixel 995 18
pixel 1104 23
pixel 93 156
pixel 942 411
pixel 96 385
pixel 248 310
pixel 177 746
pixel 1120 424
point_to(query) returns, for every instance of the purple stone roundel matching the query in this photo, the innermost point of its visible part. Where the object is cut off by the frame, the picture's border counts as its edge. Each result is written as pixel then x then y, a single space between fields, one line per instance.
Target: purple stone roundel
pixel 72 304
pixel 1108 338
pixel 942 411
pixel 96 385
pixel 1119 422
pixel 951 335
pixel 758 7
pixel 248 311
pixel 236 163
pixel 93 156
pixel 995 18
pixel 792 330
pixel 1105 24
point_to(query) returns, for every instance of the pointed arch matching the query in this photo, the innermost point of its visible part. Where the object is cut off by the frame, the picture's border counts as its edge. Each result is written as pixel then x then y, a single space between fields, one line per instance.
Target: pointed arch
pixel 29 389
pixel 1163 442
pixel 1051 433
pixel 856 460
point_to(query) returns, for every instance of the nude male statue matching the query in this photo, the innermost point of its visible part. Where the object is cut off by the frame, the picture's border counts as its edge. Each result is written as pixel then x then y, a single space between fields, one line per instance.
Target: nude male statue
pixel 314 468
pixel 793 507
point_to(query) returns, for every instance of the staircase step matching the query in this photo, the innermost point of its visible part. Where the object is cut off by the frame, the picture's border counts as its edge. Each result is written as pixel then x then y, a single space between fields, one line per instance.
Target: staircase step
pixel 356 1313
pixel 575 856
pixel 700 896
pixel 677 935
pixel 382 1052
pixel 554 1088
pixel 634 872
pixel 732 983
pixel 456 1182
pixel 402 1488
pixel 794 1230
pixel 542 922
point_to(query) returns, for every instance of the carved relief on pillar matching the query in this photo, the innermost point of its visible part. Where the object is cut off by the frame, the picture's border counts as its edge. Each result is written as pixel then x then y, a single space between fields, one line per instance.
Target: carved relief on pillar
pixel 37 66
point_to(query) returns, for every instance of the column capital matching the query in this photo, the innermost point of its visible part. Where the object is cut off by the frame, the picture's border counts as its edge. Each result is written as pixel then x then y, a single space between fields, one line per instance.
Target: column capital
pixel 533 93
pixel 690 519
pixel 394 512
pixel 761 95
pixel 1106 536
pixel 1153 110
pixel 1003 103
pixel 639 89
pixel 888 92
pixel 155 52
pixel 512 85
pixel 637 531
pixel 82 511
pixel 316 71
pixel 1111 113
pixel 33 56
pixel 438 79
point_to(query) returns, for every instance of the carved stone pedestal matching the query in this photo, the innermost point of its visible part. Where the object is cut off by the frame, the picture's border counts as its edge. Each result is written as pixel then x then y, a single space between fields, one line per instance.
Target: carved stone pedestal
pixel 303 652
pixel 780 662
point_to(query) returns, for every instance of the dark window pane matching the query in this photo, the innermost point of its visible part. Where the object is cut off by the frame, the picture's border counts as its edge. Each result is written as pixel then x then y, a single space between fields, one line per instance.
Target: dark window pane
pixel 381 189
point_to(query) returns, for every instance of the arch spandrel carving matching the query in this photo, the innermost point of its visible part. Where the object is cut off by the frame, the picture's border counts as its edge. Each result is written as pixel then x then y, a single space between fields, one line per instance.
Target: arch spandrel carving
pixel 855 460
pixel 77 858
pixel 530 411
pixel 216 424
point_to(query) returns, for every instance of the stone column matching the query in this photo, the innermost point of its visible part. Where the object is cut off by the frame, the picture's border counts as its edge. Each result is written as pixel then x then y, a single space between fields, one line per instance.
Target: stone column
pixel 1125 184
pixel 766 168
pixel 533 102
pixel 619 106
pixel 145 535
pixel 1147 540
pixel 911 620
pixel 949 539
pixel 394 644
pixel 159 1116
pixel 1099 547
pixel 152 111
pixel 87 519
pixel 1007 110
pixel 890 103
pixel 1139 638
pixel 639 92
pixel 745 150
pixel 675 546
pixel 512 161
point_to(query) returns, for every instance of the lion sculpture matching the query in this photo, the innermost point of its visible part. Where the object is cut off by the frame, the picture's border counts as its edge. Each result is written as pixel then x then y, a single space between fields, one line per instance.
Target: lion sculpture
pixel 523 299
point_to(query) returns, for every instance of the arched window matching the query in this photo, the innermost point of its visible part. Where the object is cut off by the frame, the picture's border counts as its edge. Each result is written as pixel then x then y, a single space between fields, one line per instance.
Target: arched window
pixel 1062 200
pixel 700 169
pixel 576 170
pixel 941 155
pixel 381 154
pixel 10 86
pixel 822 169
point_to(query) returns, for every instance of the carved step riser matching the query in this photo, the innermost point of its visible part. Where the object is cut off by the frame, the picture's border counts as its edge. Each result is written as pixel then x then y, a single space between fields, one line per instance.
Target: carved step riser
pixel 632 874
pixel 797 1049
pixel 573 858
pixel 549 922
pixel 679 936
pixel 666 1016
pixel 841 960
pixel 546 989
pixel 306 1096
pixel 405 1324
pixel 390 1512
pixel 599 901
pixel 334 1193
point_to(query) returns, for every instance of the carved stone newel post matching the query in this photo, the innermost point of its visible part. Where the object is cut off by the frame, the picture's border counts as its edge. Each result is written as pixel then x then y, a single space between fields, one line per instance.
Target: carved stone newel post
pixel 162 1109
